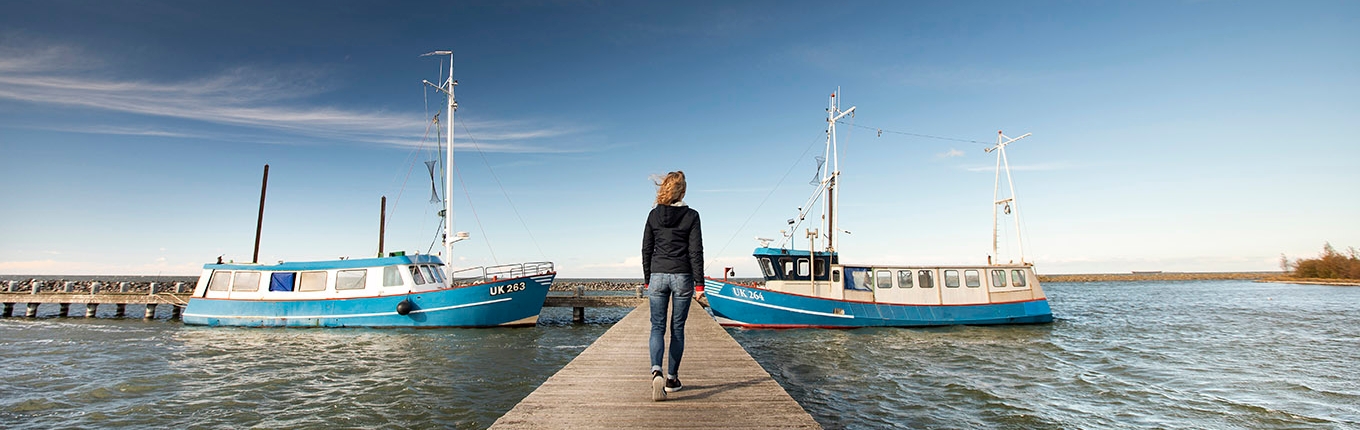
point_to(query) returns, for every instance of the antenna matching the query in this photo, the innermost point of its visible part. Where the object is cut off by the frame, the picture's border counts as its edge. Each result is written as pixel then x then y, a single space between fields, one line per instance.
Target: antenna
pixel 1009 203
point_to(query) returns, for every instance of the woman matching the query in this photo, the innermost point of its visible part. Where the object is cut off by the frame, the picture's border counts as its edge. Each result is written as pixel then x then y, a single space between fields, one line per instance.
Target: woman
pixel 672 264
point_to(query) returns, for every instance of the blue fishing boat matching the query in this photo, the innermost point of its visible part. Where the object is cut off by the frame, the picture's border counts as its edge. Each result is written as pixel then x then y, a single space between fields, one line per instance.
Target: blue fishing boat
pixel 396 290
pixel 807 288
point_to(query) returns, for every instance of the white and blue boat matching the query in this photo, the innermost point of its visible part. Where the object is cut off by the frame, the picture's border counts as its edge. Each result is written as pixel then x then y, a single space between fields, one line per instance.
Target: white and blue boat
pixel 396 290
pixel 805 288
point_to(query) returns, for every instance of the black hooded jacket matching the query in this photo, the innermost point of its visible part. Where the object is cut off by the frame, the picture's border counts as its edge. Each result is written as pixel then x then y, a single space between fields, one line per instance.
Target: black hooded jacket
pixel 672 243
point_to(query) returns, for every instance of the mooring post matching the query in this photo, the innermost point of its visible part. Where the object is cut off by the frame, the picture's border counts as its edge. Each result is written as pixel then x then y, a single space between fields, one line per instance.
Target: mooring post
pixel 32 310
pixel 179 287
pixel 150 311
pixel 94 287
pixel 122 287
pixel 91 309
pixel 119 310
pixel 9 286
pixel 641 291
pixel 68 287
pixel 578 313
pixel 35 285
pixel 152 289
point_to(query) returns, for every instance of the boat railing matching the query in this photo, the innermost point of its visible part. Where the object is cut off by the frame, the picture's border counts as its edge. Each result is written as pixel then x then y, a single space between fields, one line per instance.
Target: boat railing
pixel 479 274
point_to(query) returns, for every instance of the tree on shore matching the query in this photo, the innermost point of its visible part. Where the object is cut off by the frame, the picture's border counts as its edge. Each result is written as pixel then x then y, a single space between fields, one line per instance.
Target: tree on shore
pixel 1330 264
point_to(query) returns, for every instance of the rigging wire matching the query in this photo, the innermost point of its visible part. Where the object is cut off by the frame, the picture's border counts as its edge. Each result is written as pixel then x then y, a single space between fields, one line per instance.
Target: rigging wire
pixel 767 198
pixel 926 136
pixel 502 187
pixel 480 227
pixel 410 158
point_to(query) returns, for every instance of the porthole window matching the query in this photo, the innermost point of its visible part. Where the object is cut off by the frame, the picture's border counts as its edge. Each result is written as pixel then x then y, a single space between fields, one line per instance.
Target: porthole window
pixel 903 279
pixel 312 281
pixel 246 281
pixel 220 281
pixel 971 278
pixel 951 278
pixel 351 279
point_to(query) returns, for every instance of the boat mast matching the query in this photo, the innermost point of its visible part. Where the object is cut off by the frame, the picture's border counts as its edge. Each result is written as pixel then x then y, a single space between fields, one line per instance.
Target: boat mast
pixel 833 171
pixel 447 88
pixel 1009 203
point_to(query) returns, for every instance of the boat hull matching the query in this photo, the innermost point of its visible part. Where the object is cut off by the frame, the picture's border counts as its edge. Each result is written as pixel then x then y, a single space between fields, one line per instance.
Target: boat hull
pixel 507 302
pixel 742 306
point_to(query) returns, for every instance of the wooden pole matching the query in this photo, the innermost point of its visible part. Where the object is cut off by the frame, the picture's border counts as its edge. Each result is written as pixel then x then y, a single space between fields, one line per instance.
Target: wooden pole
pixel 259 222
pixel 382 226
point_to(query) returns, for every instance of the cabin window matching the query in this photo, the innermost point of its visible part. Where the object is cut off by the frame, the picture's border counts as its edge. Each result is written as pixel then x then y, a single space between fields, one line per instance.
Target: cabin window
pixel 1018 278
pixel 803 267
pixel 972 279
pixel 312 281
pixel 246 281
pixel 926 278
pixel 903 279
pixel 282 281
pixel 951 279
pixel 220 281
pixel 392 276
pixel 351 279
pixel 767 267
pixel 884 279
pixel 416 276
pixel 787 264
pixel 430 277
pixel 998 278
pixel 835 276
pixel 819 267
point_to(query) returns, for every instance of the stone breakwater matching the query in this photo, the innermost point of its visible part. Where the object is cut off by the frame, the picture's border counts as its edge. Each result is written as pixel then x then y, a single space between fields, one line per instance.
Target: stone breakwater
pixel 1158 276
pixel 87 286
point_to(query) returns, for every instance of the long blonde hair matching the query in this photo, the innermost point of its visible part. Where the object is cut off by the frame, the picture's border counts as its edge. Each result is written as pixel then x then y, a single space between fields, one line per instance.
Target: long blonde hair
pixel 671 188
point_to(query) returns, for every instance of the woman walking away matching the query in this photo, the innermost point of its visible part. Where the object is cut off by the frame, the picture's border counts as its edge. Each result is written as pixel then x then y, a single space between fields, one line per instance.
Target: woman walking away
pixel 672 264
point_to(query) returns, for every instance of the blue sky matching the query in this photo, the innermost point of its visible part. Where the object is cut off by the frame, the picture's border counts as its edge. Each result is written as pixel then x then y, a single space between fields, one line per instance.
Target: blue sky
pixel 1177 136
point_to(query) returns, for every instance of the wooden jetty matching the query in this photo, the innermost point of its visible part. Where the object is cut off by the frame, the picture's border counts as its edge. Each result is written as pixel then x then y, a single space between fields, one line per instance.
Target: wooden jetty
pixel 177 296
pixel 609 386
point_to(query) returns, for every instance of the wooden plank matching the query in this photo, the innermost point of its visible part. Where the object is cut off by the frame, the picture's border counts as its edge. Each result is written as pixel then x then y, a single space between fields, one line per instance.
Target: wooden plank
pixel 609 385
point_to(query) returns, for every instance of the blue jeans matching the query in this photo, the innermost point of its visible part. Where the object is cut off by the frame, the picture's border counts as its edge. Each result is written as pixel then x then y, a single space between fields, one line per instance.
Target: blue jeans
pixel 678 289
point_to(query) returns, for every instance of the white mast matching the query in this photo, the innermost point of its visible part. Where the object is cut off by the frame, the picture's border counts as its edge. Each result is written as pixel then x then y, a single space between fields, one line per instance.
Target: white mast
pixel 449 238
pixel 1009 203
pixel 833 170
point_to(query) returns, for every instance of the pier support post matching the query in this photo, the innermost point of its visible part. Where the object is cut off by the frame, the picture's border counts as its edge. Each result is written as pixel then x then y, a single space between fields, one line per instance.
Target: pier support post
pixel 122 287
pixel 65 310
pixel 150 311
pixel 91 309
pixel 151 289
pixel 35 285
pixel 9 286
pixel 67 286
pixel 641 291
pixel 179 287
pixel 32 310
pixel 176 312
pixel 578 315
pixel 94 287
pixel 119 310
pixel 9 310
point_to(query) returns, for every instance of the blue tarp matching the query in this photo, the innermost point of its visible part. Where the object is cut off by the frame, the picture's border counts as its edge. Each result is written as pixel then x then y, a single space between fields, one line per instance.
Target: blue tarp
pixel 281 281
pixel 857 278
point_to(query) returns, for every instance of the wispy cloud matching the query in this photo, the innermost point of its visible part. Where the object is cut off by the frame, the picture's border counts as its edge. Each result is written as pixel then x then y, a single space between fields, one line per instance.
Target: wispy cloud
pixel 1021 167
pixel 950 154
pixel 254 98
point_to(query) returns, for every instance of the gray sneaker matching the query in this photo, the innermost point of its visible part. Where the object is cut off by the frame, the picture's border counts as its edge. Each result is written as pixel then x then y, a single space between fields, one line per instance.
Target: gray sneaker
pixel 658 386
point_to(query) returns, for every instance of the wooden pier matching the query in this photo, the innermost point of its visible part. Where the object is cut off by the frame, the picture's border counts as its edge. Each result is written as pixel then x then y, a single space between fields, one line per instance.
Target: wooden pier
pixel 609 386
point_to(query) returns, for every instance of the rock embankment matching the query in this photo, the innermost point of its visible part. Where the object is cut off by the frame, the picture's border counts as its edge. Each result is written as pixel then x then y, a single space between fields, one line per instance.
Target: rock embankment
pixel 1157 276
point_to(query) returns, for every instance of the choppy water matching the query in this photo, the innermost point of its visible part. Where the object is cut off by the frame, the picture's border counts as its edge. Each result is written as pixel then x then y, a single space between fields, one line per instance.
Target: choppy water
pixel 1212 354
pixel 1220 354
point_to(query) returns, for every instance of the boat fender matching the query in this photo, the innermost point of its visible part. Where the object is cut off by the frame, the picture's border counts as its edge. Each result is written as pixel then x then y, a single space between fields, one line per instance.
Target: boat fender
pixel 405 307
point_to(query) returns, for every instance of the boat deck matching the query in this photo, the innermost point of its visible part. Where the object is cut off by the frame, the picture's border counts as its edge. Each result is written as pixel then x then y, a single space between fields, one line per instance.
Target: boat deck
pixel 608 386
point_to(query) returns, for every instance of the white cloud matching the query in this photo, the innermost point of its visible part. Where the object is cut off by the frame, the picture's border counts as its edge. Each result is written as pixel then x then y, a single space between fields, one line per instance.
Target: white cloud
pixel 950 154
pixel 248 97
pixel 1021 167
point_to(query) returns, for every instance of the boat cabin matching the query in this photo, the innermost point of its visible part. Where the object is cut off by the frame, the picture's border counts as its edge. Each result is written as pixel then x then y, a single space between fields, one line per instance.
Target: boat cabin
pixel 784 265
pixel 368 277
